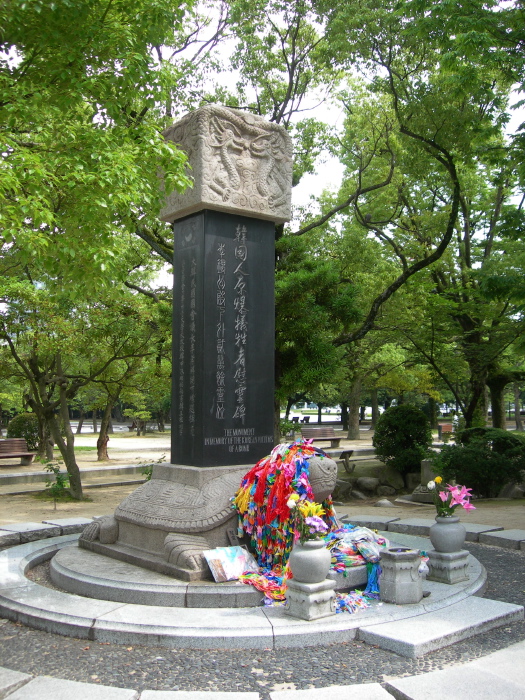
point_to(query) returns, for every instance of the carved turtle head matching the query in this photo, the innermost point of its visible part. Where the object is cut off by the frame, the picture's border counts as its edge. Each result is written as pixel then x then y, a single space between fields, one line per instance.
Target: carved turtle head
pixel 323 475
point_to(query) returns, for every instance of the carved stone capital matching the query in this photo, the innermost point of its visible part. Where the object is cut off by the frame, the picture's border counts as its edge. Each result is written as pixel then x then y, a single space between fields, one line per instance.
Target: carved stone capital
pixel 240 163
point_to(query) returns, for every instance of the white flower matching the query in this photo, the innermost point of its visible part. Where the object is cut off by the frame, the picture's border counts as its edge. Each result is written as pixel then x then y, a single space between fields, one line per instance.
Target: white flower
pixel 291 503
pixel 431 485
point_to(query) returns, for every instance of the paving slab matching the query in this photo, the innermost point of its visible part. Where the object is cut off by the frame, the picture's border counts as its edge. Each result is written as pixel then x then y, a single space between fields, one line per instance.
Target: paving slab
pixel 11 681
pixel 508 663
pixel 416 636
pixel 374 522
pixel 474 531
pixel 30 532
pixel 411 526
pixel 195 695
pixel 508 539
pixel 69 526
pixel 46 688
pixel 361 691
pixel 457 683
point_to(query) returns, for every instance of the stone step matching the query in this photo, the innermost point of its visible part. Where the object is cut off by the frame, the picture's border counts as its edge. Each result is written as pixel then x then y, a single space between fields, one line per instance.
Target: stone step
pixel 509 539
pixel 419 635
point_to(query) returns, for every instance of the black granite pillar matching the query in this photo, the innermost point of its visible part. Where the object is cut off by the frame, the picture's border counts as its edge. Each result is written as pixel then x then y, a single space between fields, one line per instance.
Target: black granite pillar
pixel 223 340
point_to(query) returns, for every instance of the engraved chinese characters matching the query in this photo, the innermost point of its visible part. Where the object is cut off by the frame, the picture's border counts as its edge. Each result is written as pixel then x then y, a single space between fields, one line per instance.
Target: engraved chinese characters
pixel 239 161
pixel 241 322
pixel 221 308
pixel 223 339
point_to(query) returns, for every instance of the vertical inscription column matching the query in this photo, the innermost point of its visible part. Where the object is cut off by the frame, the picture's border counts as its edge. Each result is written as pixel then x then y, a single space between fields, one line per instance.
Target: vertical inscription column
pixel 223 328
pixel 224 339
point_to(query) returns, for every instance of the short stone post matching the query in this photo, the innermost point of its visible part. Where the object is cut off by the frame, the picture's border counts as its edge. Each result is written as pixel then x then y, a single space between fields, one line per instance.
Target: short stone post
pixel 310 601
pixel 448 567
pixel 400 582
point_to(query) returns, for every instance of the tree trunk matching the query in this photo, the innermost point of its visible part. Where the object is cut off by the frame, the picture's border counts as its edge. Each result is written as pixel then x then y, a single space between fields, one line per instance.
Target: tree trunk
pixel 354 402
pixel 375 408
pixel 66 446
pixel 432 413
pixel 80 422
pixel 289 404
pixel 103 438
pixel 319 413
pixel 276 422
pixel 110 426
pixel 476 410
pixel 497 386
pixel 1 422
pixel 95 426
pixel 517 406
pixel 344 415
pixel 49 442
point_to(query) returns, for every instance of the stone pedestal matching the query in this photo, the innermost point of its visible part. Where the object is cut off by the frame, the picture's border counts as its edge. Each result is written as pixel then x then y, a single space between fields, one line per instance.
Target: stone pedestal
pixel 166 523
pixel 448 567
pixel 400 582
pixel 421 494
pixel 310 601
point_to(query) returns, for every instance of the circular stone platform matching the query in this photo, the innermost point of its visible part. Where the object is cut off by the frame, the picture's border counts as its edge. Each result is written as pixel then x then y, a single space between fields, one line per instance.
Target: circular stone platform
pixel 158 625
pixel 97 576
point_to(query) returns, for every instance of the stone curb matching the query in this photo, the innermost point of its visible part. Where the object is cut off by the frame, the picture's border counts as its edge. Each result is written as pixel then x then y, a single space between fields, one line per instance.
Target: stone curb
pixel 54 611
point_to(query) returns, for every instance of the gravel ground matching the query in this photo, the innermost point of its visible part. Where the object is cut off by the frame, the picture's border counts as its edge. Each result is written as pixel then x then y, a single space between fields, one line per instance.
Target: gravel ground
pixel 139 667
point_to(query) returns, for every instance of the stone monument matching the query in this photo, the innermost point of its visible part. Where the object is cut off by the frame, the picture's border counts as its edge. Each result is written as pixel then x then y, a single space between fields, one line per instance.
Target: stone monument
pixel 223 343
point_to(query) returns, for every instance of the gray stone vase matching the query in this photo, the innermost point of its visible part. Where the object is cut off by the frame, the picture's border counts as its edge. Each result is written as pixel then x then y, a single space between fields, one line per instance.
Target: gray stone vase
pixel 447 534
pixel 310 561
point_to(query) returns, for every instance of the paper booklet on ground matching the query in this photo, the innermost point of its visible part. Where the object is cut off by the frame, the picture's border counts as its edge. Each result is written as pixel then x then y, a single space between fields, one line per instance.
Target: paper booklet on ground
pixel 228 563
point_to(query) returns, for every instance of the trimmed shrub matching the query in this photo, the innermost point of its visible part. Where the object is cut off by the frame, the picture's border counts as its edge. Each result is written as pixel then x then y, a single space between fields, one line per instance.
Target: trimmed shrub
pixel 24 425
pixel 402 438
pixel 485 459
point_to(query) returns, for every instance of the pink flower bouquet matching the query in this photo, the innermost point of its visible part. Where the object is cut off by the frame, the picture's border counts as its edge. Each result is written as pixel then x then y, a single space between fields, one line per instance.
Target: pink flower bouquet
pixel 449 497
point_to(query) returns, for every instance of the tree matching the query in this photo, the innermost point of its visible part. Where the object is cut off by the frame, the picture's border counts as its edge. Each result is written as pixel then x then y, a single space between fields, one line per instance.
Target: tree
pixel 60 347
pixel 81 144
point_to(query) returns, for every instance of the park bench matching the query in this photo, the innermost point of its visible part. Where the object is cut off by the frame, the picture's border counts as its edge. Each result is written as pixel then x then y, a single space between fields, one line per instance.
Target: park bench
pixel 16 447
pixel 445 428
pixel 321 435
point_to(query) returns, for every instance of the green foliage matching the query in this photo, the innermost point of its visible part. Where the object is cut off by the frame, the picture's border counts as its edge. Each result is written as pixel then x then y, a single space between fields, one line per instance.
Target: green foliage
pixel 59 484
pixel 147 469
pixel 286 427
pixel 312 306
pixel 81 143
pixel 484 460
pixel 24 425
pixel 402 438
